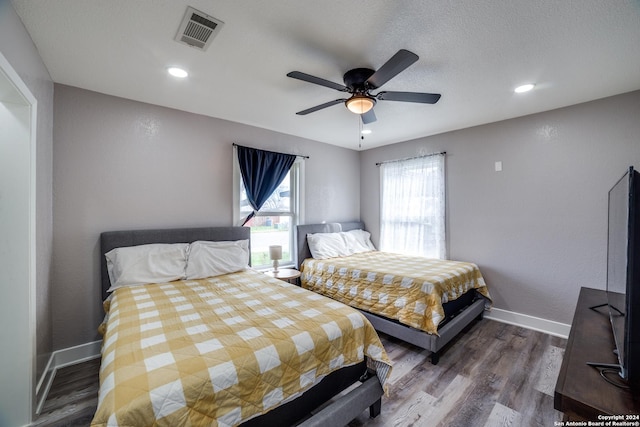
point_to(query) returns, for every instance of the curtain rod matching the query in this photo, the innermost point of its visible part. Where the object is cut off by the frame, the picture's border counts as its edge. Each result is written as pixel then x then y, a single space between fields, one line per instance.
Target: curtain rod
pixel 411 158
pixel 297 155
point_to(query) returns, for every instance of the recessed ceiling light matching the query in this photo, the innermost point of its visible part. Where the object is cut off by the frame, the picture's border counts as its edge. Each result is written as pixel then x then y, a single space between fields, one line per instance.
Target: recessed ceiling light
pixel 524 88
pixel 366 131
pixel 177 72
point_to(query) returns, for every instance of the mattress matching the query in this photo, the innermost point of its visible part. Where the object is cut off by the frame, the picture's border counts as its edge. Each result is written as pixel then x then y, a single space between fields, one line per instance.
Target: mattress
pixel 222 350
pixel 408 289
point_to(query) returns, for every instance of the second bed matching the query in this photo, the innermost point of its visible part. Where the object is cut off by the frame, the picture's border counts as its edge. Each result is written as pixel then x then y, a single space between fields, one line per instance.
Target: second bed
pixel 423 301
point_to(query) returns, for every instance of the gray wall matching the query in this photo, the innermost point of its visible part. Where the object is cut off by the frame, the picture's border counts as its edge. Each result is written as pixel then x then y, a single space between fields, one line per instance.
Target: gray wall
pixel 121 164
pixel 538 228
pixel 19 50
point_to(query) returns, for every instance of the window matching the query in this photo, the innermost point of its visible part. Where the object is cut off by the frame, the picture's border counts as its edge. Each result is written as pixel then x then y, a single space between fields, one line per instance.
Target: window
pixel 412 202
pixel 275 222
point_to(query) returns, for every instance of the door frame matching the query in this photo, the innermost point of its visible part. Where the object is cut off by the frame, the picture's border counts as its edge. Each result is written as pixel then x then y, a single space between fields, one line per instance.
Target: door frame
pixel 23 412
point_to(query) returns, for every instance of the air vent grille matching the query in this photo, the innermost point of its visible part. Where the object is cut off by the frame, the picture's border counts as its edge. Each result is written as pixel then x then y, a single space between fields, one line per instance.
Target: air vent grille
pixel 198 29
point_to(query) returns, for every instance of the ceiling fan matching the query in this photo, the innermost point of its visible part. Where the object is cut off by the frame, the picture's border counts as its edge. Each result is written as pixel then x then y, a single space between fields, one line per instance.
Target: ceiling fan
pixel 359 82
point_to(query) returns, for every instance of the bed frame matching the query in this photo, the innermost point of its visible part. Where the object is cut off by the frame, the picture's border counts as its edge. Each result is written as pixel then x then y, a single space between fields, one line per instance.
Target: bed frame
pixel 458 314
pixel 322 405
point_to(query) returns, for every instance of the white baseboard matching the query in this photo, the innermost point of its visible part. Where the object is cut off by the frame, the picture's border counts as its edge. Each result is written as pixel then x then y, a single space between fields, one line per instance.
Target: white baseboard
pixel 59 359
pixel 530 322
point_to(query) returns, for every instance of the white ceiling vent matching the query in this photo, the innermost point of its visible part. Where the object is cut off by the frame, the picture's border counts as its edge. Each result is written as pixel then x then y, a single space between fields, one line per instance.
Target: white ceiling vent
pixel 198 29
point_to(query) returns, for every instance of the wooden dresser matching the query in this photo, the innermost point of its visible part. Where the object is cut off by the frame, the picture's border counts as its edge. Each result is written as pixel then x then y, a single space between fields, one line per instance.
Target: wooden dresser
pixel 581 393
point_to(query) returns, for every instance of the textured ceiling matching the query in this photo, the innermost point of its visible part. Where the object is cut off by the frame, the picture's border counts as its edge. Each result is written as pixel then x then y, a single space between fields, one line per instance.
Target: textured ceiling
pixel 472 52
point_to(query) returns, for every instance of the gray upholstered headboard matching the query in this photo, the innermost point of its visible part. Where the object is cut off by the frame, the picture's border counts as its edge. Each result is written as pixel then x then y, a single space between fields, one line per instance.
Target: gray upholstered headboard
pixel 117 239
pixel 330 227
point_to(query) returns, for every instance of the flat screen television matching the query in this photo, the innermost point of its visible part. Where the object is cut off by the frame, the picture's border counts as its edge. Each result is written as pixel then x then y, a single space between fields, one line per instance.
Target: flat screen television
pixel 623 274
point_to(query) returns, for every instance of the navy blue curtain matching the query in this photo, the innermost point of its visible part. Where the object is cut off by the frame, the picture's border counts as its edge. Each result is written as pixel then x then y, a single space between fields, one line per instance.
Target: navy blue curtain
pixel 262 172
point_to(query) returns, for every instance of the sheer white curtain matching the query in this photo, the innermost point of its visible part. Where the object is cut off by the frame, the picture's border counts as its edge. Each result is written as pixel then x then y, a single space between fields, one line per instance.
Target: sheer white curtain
pixel 412 200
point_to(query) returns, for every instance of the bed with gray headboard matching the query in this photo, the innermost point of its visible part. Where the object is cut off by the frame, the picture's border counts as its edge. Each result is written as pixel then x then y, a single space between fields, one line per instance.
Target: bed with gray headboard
pixel 459 313
pixel 340 411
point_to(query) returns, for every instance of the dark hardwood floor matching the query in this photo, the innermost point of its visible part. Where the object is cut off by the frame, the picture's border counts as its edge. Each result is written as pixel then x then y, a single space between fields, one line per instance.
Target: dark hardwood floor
pixel 493 374
pixel 73 397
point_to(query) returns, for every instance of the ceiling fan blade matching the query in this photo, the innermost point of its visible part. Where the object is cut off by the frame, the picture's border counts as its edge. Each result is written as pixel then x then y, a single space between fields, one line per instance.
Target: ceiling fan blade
pixel 423 98
pixel 368 117
pixel 320 107
pixel 398 63
pixel 317 80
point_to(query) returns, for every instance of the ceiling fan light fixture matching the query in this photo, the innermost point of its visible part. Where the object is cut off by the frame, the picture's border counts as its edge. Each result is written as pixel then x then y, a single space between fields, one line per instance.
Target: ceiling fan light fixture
pixel 360 104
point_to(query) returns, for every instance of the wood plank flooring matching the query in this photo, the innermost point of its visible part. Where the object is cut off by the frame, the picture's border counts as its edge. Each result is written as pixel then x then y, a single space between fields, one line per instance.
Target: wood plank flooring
pixel 493 374
pixel 73 397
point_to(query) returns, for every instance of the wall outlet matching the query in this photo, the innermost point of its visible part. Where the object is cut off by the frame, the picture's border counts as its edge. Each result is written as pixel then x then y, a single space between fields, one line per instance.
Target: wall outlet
pixel 498 166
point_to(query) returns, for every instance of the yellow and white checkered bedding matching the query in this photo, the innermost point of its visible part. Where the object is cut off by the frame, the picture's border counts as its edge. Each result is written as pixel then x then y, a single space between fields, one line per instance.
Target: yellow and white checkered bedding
pixel 220 351
pixel 409 289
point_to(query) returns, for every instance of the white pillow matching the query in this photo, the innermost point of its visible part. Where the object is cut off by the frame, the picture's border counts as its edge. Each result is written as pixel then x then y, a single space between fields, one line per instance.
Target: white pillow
pixel 154 263
pixel 358 241
pixel 207 259
pixel 327 245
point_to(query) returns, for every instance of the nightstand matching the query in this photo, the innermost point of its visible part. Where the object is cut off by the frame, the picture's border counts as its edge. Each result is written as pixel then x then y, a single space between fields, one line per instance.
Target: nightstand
pixel 290 275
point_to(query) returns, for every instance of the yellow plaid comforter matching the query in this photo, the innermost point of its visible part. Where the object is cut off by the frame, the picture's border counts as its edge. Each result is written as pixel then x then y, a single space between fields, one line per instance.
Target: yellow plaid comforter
pixel 405 288
pixel 220 351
